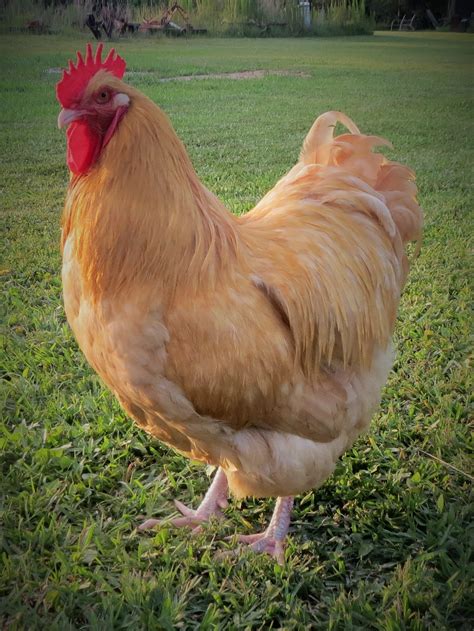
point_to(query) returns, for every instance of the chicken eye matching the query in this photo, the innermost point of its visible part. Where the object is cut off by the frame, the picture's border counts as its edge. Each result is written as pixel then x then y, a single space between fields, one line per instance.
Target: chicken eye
pixel 103 96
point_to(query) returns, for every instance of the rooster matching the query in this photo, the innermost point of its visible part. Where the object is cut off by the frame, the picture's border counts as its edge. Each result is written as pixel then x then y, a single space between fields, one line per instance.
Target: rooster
pixel 258 344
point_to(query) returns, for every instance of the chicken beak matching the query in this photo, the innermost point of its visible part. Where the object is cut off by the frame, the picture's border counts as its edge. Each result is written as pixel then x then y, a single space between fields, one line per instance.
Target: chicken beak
pixel 68 116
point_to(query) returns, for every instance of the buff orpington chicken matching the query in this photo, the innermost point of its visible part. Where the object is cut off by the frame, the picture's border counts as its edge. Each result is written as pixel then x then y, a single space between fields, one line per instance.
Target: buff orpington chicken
pixel 259 344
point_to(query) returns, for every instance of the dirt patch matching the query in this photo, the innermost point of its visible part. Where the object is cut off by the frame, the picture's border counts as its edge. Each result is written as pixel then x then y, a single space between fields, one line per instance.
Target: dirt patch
pixel 235 76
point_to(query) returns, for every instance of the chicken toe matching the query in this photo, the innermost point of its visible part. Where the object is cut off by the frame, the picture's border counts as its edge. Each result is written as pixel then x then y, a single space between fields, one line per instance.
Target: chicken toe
pixel 272 540
pixel 214 501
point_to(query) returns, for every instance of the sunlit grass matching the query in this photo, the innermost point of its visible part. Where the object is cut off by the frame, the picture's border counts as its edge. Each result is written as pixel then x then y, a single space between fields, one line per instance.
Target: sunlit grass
pixel 386 542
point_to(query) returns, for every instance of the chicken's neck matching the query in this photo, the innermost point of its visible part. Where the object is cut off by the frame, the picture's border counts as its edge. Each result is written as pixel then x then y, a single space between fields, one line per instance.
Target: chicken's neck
pixel 141 217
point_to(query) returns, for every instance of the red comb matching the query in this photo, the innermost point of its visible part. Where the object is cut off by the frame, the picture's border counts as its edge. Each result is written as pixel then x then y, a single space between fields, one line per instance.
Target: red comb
pixel 75 79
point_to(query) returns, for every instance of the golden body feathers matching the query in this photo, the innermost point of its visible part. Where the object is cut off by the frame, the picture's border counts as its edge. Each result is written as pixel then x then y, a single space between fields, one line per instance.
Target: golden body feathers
pixel 258 343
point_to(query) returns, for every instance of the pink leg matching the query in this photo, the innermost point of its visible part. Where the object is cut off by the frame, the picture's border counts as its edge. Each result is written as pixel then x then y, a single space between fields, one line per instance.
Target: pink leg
pixel 214 500
pixel 272 540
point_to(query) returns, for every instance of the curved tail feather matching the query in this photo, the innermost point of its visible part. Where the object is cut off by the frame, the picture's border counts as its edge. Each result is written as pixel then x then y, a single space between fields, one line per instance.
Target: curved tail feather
pixel 394 182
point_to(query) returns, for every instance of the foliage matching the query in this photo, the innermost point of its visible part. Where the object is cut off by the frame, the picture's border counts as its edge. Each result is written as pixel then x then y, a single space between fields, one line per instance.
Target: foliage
pixel 386 543
pixel 343 18
pixel 384 10
pixel 53 16
pixel 251 18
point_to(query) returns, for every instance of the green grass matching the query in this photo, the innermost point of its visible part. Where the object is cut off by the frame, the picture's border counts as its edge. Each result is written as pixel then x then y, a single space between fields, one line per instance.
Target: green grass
pixel 385 544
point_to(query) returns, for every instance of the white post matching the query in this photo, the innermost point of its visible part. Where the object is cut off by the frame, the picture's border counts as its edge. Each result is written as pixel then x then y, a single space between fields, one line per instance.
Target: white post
pixel 306 9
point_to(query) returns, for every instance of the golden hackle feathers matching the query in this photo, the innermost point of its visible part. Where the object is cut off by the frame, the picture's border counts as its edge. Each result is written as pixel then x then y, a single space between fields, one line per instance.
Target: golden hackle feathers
pixel 142 216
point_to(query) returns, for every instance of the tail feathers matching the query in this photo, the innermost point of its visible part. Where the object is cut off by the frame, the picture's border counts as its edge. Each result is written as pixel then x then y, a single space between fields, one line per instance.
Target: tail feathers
pixel 322 134
pixel 393 182
pixel 397 185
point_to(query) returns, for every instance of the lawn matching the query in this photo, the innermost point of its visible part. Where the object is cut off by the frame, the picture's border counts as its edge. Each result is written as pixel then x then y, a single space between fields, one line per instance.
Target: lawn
pixel 385 544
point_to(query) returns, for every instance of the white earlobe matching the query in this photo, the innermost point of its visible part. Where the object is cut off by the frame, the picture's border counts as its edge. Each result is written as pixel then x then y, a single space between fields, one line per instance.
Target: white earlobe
pixel 121 99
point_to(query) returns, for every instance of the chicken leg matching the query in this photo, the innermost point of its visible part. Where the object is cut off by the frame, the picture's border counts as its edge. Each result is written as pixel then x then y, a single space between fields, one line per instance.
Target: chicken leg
pixel 272 540
pixel 214 500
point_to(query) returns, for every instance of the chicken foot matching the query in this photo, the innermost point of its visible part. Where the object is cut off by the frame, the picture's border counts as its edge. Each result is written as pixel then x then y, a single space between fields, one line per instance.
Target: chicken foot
pixel 272 540
pixel 212 503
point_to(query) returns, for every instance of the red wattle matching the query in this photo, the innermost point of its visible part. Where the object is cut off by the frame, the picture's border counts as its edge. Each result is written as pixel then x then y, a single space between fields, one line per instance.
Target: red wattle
pixel 83 147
